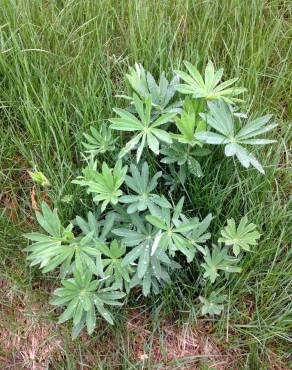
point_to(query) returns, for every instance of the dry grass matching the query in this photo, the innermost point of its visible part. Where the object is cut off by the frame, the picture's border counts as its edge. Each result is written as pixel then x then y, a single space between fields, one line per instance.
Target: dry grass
pixel 30 340
pixel 174 346
pixel 27 339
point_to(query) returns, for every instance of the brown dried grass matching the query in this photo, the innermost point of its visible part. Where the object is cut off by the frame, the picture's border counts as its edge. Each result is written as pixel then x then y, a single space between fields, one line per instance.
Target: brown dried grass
pixel 175 346
pixel 27 339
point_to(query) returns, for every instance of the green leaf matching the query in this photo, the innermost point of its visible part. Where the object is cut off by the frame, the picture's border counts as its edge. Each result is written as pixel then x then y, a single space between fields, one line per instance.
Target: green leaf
pixel 105 313
pixel 69 312
pixel 156 221
pixel 49 221
pixel 143 186
pixel 189 123
pixel 132 256
pixel 184 246
pixel 144 124
pixel 144 261
pixel 220 118
pixel 184 227
pixel 148 260
pixel 217 260
pixel 194 167
pixel 99 141
pixel 115 273
pixel 104 186
pixel 213 304
pixel 208 88
pixel 162 93
pixel 243 237
pixel 76 330
pixel 82 295
pixel 90 319
pixel 198 235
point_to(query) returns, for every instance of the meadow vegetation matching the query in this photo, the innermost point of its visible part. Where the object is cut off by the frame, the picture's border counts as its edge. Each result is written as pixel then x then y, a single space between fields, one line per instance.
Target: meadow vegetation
pixel 62 63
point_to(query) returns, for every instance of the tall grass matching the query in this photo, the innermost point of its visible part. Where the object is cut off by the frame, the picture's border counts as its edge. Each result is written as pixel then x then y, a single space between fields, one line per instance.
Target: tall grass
pixel 61 65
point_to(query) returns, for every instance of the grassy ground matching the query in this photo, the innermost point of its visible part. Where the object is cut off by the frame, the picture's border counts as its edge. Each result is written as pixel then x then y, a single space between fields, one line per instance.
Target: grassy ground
pixel 61 64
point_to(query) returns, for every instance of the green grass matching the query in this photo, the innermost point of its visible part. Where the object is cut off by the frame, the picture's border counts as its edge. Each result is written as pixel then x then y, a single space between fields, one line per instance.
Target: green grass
pixel 61 65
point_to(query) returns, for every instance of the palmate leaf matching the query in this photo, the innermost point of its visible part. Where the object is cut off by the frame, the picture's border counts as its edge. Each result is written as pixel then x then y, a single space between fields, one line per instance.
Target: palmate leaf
pixel 217 260
pixel 83 298
pixel 100 141
pixel 87 254
pixel 176 178
pixel 116 274
pixel 198 234
pixel 147 131
pixel 143 186
pixel 101 228
pixel 151 262
pixel 210 87
pixel 61 248
pixel 157 273
pixel 49 221
pixel 174 153
pixel 221 119
pixel 162 93
pixel 189 122
pixel 104 186
pixel 50 251
pixel 243 237
pixel 81 252
pixel 213 304
pixel 185 157
pixel 141 238
pixel 174 231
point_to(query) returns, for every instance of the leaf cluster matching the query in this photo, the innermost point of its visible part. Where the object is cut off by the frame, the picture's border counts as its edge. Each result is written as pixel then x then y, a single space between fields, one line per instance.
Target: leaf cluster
pixel 138 230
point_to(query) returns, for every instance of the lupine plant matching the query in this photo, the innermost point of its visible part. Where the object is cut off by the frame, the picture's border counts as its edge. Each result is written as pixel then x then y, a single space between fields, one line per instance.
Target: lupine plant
pixel 138 231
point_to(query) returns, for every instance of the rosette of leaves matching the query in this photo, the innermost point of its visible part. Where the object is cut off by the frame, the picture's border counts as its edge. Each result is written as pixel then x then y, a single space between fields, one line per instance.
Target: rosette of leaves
pixel 100 141
pixel 218 260
pixel 138 242
pixel 221 119
pixel 241 238
pixel 209 87
pixel 104 186
pixel 143 186
pixel 174 229
pixel 83 298
pixel 146 129
pixel 152 263
pixel 162 93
